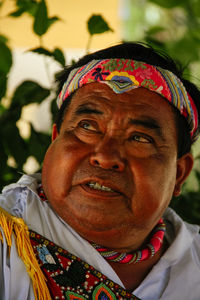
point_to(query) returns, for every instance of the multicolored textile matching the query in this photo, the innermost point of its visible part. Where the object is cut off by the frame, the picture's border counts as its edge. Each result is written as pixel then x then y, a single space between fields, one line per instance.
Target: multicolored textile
pixel 68 277
pixel 123 75
pixel 151 249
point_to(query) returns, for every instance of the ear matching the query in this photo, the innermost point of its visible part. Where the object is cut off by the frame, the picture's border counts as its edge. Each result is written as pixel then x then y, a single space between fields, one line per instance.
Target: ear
pixel 54 132
pixel 184 167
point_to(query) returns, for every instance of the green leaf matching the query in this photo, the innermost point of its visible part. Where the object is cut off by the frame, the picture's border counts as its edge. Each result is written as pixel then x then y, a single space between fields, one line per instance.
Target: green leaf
pixel 2 109
pixel 29 92
pixel 41 50
pixel 40 25
pixel 59 56
pixel 38 144
pixel 3 39
pixel 96 25
pixel 52 20
pixel 17 13
pixel 54 109
pixel 8 175
pixel 154 30
pixel 13 144
pixel 196 8
pixel 3 156
pixel 155 43
pixel 3 85
pixel 32 8
pixel 24 3
pixel 181 50
pixel 28 6
pixel 10 115
pixel 195 33
pixel 168 3
pixel 188 207
pixel 5 58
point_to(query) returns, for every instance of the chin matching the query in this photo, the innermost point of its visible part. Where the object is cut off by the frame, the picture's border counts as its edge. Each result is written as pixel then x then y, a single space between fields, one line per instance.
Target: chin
pixel 109 237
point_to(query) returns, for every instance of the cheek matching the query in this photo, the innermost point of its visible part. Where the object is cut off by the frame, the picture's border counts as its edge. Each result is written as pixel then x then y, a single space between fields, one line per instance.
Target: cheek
pixel 153 183
pixel 54 173
pixel 60 162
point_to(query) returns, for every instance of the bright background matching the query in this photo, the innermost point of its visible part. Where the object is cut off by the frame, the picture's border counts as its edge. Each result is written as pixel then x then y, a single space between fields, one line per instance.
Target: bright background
pixel 70 34
pixel 71 31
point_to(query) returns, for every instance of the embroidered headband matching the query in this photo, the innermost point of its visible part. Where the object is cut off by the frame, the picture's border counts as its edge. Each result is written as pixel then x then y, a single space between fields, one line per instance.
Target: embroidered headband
pixel 123 75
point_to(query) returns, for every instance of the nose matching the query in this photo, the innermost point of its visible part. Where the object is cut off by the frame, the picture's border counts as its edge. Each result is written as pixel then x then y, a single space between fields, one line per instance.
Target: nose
pixel 107 156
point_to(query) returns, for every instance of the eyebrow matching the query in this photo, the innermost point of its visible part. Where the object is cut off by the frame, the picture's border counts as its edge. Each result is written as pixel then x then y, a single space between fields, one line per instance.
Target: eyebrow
pixel 148 123
pixel 144 121
pixel 86 109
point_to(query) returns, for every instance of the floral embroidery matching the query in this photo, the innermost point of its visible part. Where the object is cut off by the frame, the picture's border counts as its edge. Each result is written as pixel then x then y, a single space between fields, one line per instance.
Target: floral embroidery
pixel 149 83
pixel 98 74
pixel 144 74
pixel 122 77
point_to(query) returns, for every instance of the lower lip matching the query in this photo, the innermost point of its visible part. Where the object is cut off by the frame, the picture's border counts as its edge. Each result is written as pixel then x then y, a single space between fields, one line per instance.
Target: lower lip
pixel 100 193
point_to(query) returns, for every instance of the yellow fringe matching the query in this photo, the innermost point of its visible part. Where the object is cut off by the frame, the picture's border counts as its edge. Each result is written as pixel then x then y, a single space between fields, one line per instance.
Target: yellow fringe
pixel 11 224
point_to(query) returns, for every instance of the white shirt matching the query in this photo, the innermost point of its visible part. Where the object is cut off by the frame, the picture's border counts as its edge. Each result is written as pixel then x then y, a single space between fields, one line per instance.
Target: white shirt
pixel 176 275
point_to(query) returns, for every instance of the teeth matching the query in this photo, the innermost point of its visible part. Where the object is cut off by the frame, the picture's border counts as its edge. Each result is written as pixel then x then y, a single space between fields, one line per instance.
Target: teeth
pixel 97 186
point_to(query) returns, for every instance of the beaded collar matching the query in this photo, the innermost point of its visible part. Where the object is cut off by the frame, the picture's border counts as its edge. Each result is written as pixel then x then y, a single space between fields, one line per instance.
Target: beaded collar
pixel 149 251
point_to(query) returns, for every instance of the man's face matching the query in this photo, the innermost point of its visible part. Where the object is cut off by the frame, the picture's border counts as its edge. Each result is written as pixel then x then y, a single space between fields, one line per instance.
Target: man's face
pixel 112 170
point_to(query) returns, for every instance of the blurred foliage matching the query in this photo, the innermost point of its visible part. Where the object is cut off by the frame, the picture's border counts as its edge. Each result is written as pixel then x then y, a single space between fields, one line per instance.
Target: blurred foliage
pixel 172 26
pixel 13 147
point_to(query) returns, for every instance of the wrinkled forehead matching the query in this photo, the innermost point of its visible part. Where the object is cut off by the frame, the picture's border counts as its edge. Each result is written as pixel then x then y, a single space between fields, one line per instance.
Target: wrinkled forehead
pixel 100 99
pixel 102 93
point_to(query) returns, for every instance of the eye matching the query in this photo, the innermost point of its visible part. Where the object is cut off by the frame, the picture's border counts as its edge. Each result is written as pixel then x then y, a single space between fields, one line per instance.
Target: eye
pixel 141 139
pixel 88 125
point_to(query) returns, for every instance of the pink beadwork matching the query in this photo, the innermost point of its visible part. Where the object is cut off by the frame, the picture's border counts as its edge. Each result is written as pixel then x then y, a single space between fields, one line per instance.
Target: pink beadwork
pixel 151 249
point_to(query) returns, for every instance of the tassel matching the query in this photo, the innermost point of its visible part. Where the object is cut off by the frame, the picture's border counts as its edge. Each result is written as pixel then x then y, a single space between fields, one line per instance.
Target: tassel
pixel 11 224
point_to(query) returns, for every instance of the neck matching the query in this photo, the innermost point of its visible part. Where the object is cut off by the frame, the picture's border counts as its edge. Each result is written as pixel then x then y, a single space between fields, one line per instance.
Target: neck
pixel 132 275
pixel 148 251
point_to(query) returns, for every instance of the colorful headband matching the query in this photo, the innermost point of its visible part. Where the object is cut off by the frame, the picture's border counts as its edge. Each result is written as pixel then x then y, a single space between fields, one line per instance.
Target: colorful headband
pixel 123 75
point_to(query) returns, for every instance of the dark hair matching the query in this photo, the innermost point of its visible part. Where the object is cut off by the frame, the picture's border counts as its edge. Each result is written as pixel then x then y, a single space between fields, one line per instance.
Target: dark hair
pixel 145 53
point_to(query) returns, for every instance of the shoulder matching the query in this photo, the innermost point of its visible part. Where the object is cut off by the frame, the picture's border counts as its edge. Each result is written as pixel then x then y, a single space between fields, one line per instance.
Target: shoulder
pixel 14 197
pixel 183 238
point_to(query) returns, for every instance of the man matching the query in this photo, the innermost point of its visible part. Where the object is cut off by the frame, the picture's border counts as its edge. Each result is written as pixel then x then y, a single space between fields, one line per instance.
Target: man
pixel 97 226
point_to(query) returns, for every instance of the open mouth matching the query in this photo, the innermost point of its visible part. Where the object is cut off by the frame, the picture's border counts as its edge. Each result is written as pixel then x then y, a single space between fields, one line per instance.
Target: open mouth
pixel 99 187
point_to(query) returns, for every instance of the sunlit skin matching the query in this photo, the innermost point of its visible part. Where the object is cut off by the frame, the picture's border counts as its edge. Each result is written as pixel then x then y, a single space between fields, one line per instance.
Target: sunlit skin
pixel 127 142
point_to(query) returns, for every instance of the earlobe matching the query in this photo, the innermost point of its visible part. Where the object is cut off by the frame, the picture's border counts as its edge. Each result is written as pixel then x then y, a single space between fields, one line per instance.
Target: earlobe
pixel 184 167
pixel 54 132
